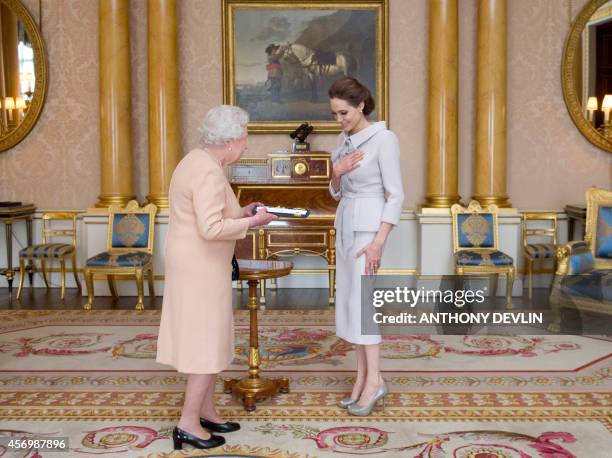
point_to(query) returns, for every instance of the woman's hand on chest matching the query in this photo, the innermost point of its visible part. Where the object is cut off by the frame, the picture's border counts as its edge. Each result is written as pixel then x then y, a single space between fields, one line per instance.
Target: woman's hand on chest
pixel 347 163
pixel 367 166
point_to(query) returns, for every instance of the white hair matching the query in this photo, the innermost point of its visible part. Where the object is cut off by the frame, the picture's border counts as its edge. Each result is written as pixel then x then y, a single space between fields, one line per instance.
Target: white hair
pixel 223 123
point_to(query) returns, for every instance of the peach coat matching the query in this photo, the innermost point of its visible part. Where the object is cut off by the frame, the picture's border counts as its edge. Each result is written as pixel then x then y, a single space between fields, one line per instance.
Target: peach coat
pixel 196 333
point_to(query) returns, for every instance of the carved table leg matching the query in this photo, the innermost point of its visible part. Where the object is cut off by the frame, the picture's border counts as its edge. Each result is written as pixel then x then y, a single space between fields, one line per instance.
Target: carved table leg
pixel 253 388
pixel 30 267
pixel 9 256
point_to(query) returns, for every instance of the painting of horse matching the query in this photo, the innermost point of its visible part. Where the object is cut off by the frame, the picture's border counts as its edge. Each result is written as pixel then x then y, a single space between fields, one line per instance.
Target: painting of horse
pixel 318 66
pixel 280 60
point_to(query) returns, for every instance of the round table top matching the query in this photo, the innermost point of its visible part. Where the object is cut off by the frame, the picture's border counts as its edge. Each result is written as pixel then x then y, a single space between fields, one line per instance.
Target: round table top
pixel 251 269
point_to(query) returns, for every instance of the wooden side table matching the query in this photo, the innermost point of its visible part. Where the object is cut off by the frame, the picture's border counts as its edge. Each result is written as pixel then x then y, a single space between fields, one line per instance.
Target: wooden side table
pixel 8 215
pixel 253 388
pixel 574 213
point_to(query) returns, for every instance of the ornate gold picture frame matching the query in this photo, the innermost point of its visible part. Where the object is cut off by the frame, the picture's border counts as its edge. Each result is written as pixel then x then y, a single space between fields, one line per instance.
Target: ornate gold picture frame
pixel 280 57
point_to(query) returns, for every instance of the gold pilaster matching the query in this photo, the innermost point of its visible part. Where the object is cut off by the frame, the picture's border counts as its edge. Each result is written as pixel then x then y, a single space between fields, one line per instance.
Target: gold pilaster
pixel 490 163
pixel 442 170
pixel 164 143
pixel 116 184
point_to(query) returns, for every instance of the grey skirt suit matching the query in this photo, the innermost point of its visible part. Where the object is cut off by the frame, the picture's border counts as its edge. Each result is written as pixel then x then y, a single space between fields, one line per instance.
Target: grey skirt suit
pixel 368 196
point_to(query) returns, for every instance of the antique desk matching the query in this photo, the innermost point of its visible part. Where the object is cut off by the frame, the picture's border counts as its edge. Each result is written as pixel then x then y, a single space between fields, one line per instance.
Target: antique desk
pixel 8 214
pixel 289 180
pixel 575 213
pixel 253 387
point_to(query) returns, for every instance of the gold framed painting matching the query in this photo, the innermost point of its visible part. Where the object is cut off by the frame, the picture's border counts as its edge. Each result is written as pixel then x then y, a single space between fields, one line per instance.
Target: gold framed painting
pixel 280 57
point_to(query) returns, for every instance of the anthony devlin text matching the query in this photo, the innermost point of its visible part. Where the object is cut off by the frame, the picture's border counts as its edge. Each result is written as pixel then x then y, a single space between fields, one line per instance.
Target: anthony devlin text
pixel 459 318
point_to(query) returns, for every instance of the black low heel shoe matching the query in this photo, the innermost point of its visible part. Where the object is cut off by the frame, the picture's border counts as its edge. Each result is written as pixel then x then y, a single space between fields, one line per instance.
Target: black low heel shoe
pixel 227 427
pixel 180 437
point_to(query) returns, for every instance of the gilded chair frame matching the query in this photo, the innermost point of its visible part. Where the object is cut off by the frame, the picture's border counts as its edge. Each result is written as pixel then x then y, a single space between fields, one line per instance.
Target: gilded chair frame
pixel 528 232
pixel 491 271
pixel 138 272
pixel 595 198
pixel 49 231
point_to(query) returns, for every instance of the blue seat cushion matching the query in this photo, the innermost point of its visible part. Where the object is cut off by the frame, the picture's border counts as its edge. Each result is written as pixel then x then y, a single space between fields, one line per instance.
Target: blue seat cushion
pixel 132 259
pixel 482 258
pixel 541 250
pixel 596 285
pixel 603 247
pixel 47 250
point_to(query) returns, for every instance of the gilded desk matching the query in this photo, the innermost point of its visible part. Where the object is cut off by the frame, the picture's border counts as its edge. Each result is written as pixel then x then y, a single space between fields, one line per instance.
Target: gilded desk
pixel 289 180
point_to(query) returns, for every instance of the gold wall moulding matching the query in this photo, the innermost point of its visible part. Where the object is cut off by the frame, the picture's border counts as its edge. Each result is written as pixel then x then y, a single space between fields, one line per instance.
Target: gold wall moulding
pixel 23 73
pixel 582 84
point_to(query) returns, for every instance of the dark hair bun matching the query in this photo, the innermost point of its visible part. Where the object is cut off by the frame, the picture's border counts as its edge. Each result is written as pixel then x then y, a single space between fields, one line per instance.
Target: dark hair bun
pixel 353 92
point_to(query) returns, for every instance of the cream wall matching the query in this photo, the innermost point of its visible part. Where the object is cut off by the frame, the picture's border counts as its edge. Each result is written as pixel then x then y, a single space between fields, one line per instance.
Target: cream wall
pixel 550 163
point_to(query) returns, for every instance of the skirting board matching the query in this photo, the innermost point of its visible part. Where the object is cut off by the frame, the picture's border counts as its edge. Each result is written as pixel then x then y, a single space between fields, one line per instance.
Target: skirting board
pixel 421 243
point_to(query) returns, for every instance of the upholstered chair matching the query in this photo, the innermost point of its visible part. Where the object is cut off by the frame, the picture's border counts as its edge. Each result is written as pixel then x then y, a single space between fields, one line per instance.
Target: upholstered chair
pixel 583 279
pixel 55 226
pixel 539 243
pixel 129 250
pixel 475 245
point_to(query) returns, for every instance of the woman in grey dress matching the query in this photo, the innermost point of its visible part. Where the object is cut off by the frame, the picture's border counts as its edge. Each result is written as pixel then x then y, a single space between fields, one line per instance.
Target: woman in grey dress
pixel 367 181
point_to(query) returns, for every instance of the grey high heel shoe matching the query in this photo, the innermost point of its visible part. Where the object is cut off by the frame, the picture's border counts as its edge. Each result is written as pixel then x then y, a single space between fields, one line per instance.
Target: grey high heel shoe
pixel 359 411
pixel 346 402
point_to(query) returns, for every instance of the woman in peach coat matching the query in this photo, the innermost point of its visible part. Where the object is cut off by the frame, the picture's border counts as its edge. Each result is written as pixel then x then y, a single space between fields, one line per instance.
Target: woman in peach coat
pixel 196 333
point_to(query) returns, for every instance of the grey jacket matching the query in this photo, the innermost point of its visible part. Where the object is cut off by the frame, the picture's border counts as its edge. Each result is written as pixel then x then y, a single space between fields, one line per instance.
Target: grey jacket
pixel 373 192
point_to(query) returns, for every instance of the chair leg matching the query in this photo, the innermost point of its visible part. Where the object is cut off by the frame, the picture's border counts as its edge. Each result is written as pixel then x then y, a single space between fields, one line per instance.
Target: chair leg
pixel 151 283
pixel 459 284
pixel 111 285
pixel 90 289
pixel 74 271
pixel 43 268
pixel 555 304
pixel 63 273
pixel 530 275
pixel 493 282
pixel 140 286
pixel 21 275
pixel 509 284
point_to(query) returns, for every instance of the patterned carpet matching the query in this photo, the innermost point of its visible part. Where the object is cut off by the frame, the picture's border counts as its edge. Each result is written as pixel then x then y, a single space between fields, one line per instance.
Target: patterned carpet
pixel 92 377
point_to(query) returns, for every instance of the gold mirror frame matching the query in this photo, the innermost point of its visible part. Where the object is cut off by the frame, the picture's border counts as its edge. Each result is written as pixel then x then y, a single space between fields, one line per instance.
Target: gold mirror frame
pixel 570 59
pixel 41 73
